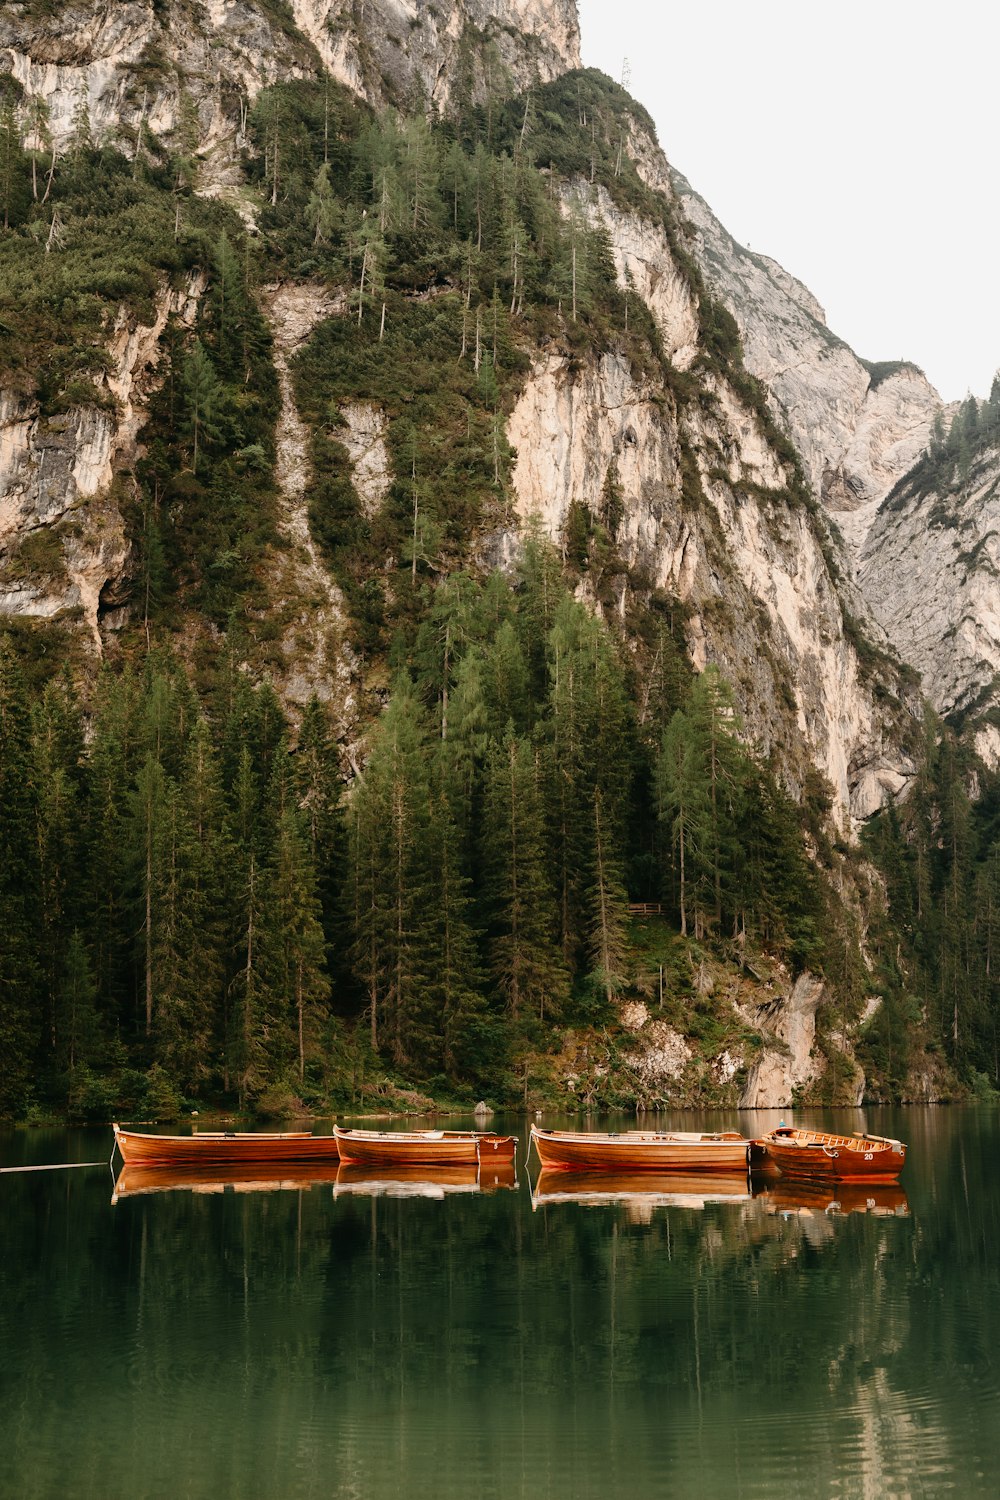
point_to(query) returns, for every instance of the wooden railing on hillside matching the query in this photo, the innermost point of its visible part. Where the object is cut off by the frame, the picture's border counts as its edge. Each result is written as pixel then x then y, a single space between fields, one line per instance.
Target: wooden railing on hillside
pixel 645 909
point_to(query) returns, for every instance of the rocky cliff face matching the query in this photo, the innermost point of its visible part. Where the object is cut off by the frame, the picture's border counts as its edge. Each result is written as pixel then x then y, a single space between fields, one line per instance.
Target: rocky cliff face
pixel 135 61
pixel 752 565
pixel 747 562
pixel 858 428
pixel 62 540
pixel 122 66
pixel 930 566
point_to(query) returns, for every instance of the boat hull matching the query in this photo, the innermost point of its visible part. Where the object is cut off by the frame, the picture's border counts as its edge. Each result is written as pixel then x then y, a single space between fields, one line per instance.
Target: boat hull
pixel 817 1156
pixel 223 1148
pixel 640 1151
pixel 424 1147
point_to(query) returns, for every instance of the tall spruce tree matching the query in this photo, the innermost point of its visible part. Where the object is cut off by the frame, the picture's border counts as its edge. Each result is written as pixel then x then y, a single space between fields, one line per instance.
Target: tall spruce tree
pixel 21 1015
pixel 524 955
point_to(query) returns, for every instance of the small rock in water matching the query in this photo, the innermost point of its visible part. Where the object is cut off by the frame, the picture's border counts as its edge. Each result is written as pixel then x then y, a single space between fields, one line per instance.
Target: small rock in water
pixel 482 1110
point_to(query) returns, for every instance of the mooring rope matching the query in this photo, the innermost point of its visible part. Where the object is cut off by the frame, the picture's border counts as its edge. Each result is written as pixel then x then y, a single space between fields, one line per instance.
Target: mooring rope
pixel 55 1166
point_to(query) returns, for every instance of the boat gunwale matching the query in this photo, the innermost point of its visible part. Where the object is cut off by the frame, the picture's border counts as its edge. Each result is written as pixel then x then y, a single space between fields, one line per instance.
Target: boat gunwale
pixel 215 1135
pixel 640 1137
pixel 418 1137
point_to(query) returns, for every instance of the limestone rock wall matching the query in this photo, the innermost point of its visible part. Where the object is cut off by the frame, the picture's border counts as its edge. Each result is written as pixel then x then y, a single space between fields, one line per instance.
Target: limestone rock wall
pixel 788 1064
pixel 930 566
pixel 763 604
pixel 56 473
pixel 132 60
pixel 414 49
pixel 857 435
pixel 752 566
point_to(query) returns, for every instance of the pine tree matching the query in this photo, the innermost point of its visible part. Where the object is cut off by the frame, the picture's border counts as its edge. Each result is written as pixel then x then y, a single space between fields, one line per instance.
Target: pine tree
pixel 228 307
pixel 20 979
pixel 300 949
pixel 468 1039
pixel 318 788
pixel 77 1028
pixel 203 396
pixel 37 121
pixel 322 213
pixel 524 955
pixel 390 894
pixel 149 857
pixel 256 1037
pixel 607 904
pixel 57 746
pixel 506 682
pixel 188 948
pixel 12 191
pixel 682 806
pixel 712 716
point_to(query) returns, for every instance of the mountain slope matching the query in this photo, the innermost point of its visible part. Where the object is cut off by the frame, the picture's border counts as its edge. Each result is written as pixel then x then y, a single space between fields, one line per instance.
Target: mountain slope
pixel 930 566
pixel 858 427
pixel 285 374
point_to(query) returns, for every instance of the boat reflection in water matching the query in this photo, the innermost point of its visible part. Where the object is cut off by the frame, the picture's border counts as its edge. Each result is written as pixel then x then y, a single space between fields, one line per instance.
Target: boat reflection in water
pixel 399 1182
pixel 885 1199
pixel 237 1177
pixel 640 1193
pixel 426 1181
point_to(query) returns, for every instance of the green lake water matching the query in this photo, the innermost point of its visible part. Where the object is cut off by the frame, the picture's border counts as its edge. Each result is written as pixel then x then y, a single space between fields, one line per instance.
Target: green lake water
pixel 391 1342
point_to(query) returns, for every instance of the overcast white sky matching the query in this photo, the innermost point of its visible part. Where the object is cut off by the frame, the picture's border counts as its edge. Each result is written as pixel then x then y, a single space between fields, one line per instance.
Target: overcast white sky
pixel 855 142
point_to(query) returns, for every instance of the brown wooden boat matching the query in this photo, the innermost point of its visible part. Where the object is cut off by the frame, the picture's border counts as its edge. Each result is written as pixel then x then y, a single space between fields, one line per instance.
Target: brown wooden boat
pixel 212 1177
pixel 822 1157
pixel 415 1147
pixel 223 1147
pixel 641 1150
pixel 640 1192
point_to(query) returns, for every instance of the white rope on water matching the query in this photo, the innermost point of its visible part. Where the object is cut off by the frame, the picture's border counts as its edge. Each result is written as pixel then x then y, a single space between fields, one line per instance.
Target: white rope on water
pixel 55 1166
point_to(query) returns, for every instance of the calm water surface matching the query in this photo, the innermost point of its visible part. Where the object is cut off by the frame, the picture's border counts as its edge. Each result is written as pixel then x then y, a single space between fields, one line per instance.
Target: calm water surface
pixel 365 1340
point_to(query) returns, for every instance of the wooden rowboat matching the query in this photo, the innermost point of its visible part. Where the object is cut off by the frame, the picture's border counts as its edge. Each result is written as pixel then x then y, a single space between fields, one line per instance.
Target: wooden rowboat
pixel 413 1147
pixel 821 1157
pixel 220 1148
pixel 641 1150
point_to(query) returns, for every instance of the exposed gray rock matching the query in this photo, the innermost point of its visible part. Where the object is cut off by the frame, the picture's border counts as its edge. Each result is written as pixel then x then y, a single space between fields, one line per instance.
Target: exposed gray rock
pixel 128 61
pixel 751 567
pixel 856 435
pixel 930 566
pixel 364 437
pixel 788 1064
pixel 414 50
pixel 317 657
pixel 59 469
